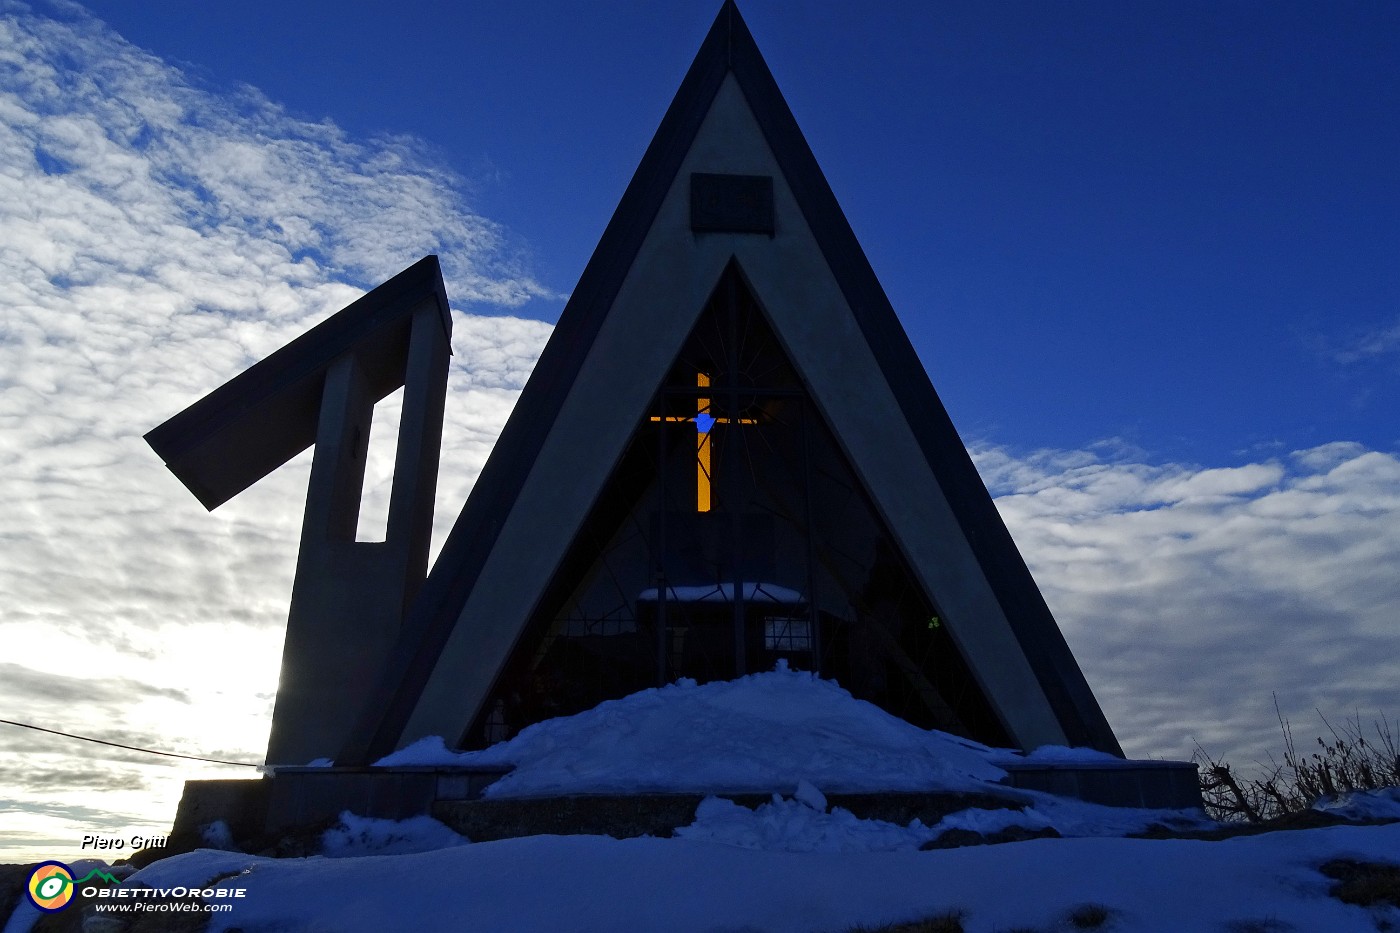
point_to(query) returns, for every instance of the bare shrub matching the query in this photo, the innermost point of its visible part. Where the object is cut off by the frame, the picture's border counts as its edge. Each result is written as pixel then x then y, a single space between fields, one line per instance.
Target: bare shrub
pixel 1089 916
pixel 1356 758
pixel 943 923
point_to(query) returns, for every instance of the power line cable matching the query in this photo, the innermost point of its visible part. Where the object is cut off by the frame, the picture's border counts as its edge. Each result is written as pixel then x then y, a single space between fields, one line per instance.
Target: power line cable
pixel 131 748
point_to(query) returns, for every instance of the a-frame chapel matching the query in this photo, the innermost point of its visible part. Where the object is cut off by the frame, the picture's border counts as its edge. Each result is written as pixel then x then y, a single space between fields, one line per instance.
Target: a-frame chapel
pixel 728 454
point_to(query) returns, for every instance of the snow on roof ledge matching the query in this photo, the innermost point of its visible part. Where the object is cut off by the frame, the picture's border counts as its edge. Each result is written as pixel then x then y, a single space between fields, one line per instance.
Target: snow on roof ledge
pixel 723 593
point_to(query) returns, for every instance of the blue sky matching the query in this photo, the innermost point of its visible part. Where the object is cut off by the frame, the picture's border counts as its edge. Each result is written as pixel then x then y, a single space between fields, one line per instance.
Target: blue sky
pixel 1148 253
pixel 1177 224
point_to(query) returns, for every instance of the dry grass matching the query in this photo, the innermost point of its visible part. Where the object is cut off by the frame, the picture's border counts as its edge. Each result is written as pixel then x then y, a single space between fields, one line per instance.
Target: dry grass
pixel 1089 916
pixel 1356 758
pixel 943 923
pixel 1268 925
pixel 1366 884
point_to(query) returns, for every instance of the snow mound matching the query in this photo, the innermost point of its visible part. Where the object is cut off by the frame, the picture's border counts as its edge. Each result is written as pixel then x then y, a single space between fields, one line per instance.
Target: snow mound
pixel 358 836
pixel 989 822
pixel 217 835
pixel 795 826
pixel 804 824
pixel 764 732
pixel 1383 804
pixel 1059 754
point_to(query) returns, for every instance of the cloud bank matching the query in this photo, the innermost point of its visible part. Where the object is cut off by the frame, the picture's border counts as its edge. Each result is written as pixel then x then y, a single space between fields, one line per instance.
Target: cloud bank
pixel 1192 596
pixel 157 237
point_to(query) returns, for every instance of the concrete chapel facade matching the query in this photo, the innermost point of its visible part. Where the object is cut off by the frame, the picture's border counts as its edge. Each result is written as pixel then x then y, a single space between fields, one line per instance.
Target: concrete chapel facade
pixel 729 287
pixel 728 455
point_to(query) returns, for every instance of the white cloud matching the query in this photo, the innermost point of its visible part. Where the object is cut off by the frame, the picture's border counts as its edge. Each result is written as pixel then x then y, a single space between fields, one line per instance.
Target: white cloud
pixel 156 238
pixel 1191 596
pixel 1380 342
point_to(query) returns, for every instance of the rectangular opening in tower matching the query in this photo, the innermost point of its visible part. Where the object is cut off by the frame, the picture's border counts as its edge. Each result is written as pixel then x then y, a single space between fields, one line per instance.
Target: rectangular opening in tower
pixel 373 524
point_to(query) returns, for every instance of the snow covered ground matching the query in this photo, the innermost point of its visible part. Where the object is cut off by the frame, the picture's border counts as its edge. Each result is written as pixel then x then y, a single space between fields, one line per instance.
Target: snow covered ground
pixel 592 883
pixel 795 863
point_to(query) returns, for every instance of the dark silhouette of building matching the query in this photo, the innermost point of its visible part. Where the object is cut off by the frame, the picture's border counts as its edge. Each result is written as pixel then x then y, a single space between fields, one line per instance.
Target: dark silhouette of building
pixel 728 455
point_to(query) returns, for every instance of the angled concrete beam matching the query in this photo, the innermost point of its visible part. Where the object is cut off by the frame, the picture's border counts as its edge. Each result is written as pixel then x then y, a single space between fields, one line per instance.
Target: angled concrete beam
pixel 348 597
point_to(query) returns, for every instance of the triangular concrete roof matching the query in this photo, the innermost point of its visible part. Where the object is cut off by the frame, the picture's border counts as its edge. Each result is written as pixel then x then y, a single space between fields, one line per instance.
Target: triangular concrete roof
pixel 620 331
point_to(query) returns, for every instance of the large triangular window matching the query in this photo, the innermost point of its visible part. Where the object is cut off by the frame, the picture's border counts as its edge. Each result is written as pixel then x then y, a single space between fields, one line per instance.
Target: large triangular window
pixel 734 533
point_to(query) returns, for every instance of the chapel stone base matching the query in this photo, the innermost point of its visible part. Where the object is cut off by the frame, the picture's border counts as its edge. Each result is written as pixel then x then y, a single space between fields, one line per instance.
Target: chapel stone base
pixel 297 801
pixel 1152 785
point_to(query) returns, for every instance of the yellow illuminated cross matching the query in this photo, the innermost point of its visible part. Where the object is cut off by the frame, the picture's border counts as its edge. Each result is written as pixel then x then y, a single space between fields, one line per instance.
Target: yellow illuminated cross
pixel 703 422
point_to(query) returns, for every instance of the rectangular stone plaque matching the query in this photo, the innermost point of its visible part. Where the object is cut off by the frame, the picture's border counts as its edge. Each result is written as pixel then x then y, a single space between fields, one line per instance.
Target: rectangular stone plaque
pixel 731 203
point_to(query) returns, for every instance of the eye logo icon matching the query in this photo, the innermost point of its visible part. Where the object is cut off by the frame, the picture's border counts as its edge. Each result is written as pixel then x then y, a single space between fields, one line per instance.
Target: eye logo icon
pixel 51 886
